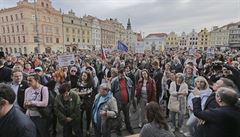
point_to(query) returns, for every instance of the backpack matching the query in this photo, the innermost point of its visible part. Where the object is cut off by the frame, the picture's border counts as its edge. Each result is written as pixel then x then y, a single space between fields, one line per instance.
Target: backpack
pixel 46 112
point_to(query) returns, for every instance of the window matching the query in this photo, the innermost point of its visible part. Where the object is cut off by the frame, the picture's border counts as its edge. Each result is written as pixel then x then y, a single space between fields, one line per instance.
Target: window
pixel 15 50
pixel 42 4
pixel 11 51
pixel 83 40
pixel 3 28
pixel 67 30
pixel 16 17
pixel 88 40
pixel 8 29
pixel 56 30
pixel 24 39
pixel 5 39
pixel 50 39
pixel 20 50
pixel 73 39
pixel 78 40
pixel 14 40
pixel 17 28
pixel 73 30
pixel 2 19
pixel 9 39
pixel 47 5
pixel 19 39
pixel 85 24
pixel 78 31
pixel 47 40
pixel 72 21
pixel 11 17
pixel 22 27
pixel 67 39
pixel 21 15
pixel 12 28
pixel 7 18
pixel 25 50
pixel 57 40
pixel 83 32
pixel 0 40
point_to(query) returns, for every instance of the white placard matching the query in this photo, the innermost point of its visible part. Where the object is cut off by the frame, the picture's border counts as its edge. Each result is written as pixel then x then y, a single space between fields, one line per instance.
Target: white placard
pixel 139 48
pixel 66 60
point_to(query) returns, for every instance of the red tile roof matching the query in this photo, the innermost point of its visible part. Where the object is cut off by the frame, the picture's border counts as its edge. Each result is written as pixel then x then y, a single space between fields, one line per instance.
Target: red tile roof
pixel 157 35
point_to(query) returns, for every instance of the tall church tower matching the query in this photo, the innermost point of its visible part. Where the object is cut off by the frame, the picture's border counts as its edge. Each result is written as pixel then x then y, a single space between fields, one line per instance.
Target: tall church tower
pixel 129 27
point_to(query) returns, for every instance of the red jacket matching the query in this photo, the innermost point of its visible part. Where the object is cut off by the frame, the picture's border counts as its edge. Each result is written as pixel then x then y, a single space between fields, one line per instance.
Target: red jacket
pixel 151 89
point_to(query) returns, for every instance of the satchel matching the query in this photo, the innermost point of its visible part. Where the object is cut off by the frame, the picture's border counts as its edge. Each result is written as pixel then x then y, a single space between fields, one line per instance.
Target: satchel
pixel 45 111
pixel 114 123
pixel 173 104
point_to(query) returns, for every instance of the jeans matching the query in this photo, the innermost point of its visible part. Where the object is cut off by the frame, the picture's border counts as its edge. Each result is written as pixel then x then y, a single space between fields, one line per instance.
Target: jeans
pixel 142 112
pixel 125 109
pixel 177 117
pixel 68 127
pixel 103 131
pixel 192 123
pixel 41 126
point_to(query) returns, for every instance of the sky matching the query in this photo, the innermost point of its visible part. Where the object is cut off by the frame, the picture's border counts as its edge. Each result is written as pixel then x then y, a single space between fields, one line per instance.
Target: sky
pixel 154 16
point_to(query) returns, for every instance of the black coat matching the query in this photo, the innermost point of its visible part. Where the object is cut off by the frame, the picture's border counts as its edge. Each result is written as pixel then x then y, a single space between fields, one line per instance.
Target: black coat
pixel 16 124
pixel 21 93
pixel 5 74
pixel 223 121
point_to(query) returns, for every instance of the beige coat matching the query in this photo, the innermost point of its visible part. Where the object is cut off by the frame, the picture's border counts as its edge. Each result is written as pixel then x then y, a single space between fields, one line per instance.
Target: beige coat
pixel 181 98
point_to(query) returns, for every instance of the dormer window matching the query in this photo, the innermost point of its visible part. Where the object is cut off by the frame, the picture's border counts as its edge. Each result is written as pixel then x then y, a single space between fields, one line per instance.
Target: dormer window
pixel 42 4
pixel 47 5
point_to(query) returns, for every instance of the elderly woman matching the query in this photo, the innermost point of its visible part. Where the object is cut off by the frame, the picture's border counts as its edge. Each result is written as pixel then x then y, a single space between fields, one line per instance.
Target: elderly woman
pixel 178 91
pixel 145 93
pixel 157 124
pixel 66 107
pixel 105 107
pixel 202 86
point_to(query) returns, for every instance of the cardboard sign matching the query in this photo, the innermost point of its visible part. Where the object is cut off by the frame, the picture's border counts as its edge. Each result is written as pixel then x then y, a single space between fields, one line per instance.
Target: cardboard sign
pixel 139 48
pixel 66 60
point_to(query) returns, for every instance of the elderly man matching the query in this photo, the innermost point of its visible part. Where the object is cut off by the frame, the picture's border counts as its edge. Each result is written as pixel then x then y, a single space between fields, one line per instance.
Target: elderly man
pixel 13 123
pixel 223 121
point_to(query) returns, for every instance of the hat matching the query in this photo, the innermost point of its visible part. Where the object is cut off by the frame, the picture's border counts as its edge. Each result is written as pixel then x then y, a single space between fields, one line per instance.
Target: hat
pixel 38 69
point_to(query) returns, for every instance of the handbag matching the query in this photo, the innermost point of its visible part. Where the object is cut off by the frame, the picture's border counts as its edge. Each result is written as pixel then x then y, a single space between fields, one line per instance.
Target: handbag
pixel 173 104
pixel 45 111
pixel 114 123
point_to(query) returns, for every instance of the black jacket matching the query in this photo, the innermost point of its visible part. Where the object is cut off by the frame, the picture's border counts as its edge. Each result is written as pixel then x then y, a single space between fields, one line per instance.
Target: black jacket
pixel 5 74
pixel 16 124
pixel 211 102
pixel 223 121
pixel 21 93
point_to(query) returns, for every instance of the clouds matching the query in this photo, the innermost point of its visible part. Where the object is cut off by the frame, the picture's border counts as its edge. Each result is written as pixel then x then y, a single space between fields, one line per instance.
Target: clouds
pixel 155 15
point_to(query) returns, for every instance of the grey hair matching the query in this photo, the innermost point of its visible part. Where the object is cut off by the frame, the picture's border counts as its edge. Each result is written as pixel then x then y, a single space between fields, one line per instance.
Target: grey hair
pixel 104 85
pixel 228 95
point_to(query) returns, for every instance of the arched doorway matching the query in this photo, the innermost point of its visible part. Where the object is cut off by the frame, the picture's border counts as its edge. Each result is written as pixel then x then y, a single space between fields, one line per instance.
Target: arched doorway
pixel 74 49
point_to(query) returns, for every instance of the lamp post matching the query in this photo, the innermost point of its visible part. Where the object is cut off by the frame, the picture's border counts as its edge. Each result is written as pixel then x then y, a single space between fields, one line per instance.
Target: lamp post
pixel 36 21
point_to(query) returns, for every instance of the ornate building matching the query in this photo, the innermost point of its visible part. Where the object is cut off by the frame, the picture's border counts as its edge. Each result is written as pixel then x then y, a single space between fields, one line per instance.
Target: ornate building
pixel 19 26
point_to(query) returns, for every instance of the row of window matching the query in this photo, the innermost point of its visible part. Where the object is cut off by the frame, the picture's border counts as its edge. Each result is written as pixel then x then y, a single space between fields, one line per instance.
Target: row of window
pixel 171 43
pixel 12 39
pixel 16 50
pixel 12 28
pixel 48 40
pixel 12 17
pixel 74 40
pixel 78 31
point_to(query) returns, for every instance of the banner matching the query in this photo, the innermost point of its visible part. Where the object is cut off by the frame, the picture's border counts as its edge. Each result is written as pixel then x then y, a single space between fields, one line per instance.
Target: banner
pixel 139 48
pixel 66 60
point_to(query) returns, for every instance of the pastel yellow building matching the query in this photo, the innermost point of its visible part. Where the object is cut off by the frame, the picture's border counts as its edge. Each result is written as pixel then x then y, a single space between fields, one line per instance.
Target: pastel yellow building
pixel 107 34
pixel 172 40
pixel 18 29
pixel 203 39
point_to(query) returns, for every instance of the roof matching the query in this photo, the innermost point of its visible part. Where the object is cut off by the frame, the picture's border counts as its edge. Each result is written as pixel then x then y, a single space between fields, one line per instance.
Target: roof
pixel 157 35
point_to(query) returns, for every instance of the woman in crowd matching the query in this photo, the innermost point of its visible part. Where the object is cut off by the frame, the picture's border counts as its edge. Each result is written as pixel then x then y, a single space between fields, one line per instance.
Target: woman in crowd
pixel 66 107
pixel 202 86
pixel 145 93
pixel 157 125
pixel 86 89
pixel 178 91
pixel 104 108
pixel 37 96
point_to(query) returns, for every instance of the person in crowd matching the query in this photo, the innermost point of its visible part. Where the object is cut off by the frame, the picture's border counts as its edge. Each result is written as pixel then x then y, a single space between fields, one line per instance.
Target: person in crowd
pixel 176 65
pixel 94 77
pixel 5 73
pixel 157 76
pixel 73 78
pixel 28 69
pixel 178 89
pixel 223 121
pixel 189 76
pixel 122 89
pixel 13 122
pixel 145 93
pixel 86 93
pixel 43 78
pixel 157 125
pixel 19 86
pixel 9 63
pixel 105 107
pixel 67 109
pixel 201 84
pixel 36 96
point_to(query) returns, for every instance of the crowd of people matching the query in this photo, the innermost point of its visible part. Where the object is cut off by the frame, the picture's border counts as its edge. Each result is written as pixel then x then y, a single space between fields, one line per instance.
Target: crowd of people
pixel 198 88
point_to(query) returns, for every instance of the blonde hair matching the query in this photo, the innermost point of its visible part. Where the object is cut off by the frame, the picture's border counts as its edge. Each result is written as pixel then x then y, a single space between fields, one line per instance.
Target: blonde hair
pixel 201 78
pixel 180 75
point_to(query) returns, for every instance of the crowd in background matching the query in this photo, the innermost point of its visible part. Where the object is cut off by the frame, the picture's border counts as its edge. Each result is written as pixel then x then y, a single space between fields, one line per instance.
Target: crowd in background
pixel 162 86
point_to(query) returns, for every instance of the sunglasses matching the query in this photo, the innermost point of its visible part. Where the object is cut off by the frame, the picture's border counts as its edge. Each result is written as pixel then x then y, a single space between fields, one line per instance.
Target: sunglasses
pixel 73 71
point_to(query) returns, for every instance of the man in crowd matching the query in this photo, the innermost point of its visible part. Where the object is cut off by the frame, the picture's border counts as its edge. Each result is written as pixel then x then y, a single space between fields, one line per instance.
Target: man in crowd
pixel 5 72
pixel 122 88
pixel 13 123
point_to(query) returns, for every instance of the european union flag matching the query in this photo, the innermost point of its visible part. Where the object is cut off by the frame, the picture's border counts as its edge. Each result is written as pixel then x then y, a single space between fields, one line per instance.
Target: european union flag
pixel 122 47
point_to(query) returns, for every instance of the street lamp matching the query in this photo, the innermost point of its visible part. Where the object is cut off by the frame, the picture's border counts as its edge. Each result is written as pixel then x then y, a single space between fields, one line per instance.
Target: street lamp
pixel 36 21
